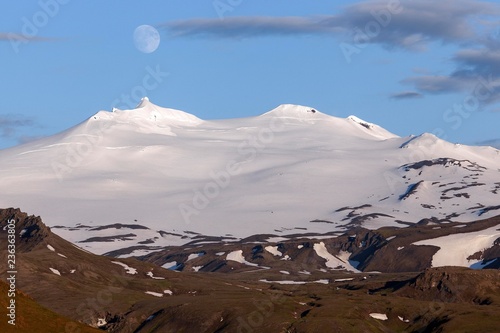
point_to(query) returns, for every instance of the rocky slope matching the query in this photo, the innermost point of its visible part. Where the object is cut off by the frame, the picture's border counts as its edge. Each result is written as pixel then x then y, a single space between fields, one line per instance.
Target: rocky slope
pixel 307 292
pixel 387 249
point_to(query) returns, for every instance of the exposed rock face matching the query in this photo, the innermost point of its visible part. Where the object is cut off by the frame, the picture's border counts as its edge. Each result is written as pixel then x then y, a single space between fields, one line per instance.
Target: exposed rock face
pixel 446 162
pixel 374 252
pixel 30 230
pixel 455 284
pixel 492 253
pixel 388 250
pixel 102 291
pixel 384 250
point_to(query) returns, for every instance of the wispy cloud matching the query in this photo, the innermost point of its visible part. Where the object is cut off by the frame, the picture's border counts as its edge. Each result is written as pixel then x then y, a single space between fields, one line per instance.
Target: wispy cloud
pixel 414 24
pixel 484 61
pixel 250 26
pixel 436 84
pixel 395 25
pixel 406 95
pixel 477 73
pixel 411 26
pixel 11 124
pixel 15 37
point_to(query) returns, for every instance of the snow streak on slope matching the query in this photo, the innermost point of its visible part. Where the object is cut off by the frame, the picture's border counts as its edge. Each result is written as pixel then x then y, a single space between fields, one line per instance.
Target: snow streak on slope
pixel 291 170
pixel 456 250
pixel 333 262
pixel 238 257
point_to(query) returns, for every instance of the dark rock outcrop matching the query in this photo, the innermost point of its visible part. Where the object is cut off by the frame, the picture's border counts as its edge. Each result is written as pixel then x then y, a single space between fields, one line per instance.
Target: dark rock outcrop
pixel 30 230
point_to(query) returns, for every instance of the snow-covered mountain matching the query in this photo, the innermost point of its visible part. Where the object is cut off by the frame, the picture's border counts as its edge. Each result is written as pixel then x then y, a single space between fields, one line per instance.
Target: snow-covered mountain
pixel 154 177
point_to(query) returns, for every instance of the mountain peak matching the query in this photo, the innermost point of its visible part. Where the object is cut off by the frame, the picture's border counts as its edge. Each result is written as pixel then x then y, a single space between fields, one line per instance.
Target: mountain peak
pixel 143 103
pixel 148 113
pixel 424 140
pixel 309 115
pixel 299 112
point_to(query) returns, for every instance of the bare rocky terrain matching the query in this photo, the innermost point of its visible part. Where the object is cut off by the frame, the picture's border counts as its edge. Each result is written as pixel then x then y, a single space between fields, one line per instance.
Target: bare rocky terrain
pixel 282 286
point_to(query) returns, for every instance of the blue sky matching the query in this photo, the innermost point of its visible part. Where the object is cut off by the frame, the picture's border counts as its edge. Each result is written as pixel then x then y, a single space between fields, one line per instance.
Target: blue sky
pixel 408 66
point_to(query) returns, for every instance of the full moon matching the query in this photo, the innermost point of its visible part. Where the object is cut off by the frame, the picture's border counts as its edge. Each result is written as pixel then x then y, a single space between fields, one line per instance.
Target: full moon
pixel 146 38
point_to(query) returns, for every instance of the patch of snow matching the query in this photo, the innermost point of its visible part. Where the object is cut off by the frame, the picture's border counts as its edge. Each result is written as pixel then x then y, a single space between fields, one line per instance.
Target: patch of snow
pixel 101 322
pixel 72 271
pixel 261 268
pixel 168 292
pixel 136 253
pixel 334 262
pixel 219 253
pixel 323 237
pixel 22 232
pixel 195 255
pixel 322 281
pixel 305 272
pixel 276 239
pixel 55 271
pixel 300 246
pixel 153 293
pixel 62 255
pixel 173 265
pixel 342 280
pixel 455 249
pixel 344 255
pixel 197 268
pixel 286 257
pixel 128 269
pixel 239 285
pixel 273 250
pixel 403 320
pixel 379 316
pixel 285 272
pixel 283 281
pixel 150 274
pixel 238 257
pixel 400 248
pixel 390 238
pixel 51 248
